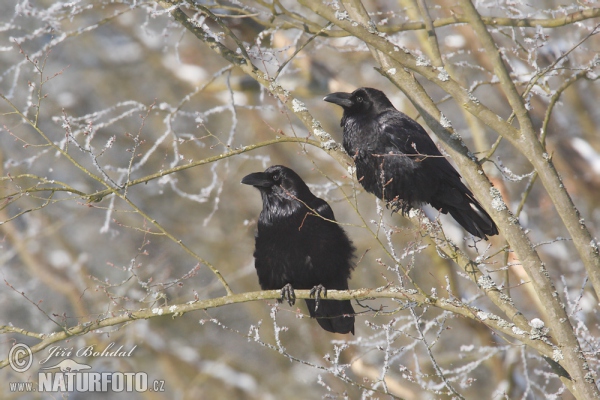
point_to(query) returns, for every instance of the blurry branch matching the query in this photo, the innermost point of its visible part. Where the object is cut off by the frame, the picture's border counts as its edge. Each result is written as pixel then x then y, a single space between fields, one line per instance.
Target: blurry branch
pixel 360 368
pixel 228 32
pixel 299 49
pixel 136 143
pixel 297 21
pixel 50 142
pixel 552 67
pixel 349 379
pixel 13 329
pixel 430 43
pixel 40 268
pixel 520 22
pixel 431 37
pixel 8 219
pixel 115 190
pixel 95 197
pixel 435 365
pixel 407 298
pixel 544 130
pixel 63 187
pixel 178 241
pixel 59 38
pixel 554 99
pixel 294 105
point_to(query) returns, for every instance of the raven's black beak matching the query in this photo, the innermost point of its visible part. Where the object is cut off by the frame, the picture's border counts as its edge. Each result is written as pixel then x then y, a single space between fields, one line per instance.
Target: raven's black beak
pixel 257 179
pixel 340 98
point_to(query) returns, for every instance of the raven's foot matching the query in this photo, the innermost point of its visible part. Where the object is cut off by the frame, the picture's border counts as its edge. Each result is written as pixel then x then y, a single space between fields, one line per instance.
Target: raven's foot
pixel 399 205
pixel 288 294
pixel 316 293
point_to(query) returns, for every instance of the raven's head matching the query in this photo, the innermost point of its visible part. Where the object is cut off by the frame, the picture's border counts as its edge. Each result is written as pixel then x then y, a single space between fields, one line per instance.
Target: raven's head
pixel 282 190
pixel 365 101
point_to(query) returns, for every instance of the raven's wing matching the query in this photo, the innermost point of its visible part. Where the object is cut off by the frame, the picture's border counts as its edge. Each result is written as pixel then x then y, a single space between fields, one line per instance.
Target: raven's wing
pixel 327 246
pixel 322 208
pixel 400 133
pixel 405 135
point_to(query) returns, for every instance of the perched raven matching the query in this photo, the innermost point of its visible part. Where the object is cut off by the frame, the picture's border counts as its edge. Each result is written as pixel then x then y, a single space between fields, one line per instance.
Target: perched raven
pixel 397 161
pixel 299 245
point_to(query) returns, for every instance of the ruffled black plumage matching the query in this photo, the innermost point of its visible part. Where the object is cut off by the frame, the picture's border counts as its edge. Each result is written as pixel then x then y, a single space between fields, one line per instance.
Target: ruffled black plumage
pixel 299 243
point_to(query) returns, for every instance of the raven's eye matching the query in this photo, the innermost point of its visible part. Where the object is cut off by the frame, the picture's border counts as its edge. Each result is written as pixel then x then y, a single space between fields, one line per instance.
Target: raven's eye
pixel 276 177
pixel 359 99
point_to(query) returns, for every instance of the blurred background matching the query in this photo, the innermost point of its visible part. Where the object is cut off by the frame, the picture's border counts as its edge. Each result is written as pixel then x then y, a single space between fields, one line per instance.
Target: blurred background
pixel 128 92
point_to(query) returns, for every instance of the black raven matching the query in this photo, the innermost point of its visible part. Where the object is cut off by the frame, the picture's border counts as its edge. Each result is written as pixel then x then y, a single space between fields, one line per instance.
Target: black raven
pixel 299 245
pixel 397 161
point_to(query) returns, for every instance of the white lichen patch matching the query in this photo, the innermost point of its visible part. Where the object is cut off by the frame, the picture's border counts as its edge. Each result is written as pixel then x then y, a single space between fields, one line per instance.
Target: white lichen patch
pixel 341 15
pixel 557 355
pixel 391 71
pixel 518 331
pixel 443 75
pixel 505 298
pixel 538 329
pixel 590 377
pixel 422 62
pixel 298 106
pixel 451 302
pixel 445 122
pixel 173 309
pixel 320 133
pixel 504 324
pixel 537 323
pixel 464 348
pixel 371 27
pixel 482 315
pixel 157 311
pixel 330 145
pixel 473 98
pixel 497 200
pixel 486 282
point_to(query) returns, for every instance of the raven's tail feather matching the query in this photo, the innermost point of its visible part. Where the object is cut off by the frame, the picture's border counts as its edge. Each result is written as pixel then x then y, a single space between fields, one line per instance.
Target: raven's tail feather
pixel 474 218
pixel 459 202
pixel 333 315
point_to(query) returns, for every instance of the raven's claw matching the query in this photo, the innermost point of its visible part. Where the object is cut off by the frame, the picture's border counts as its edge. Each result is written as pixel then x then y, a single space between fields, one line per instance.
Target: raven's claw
pixel 399 205
pixel 288 294
pixel 316 293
